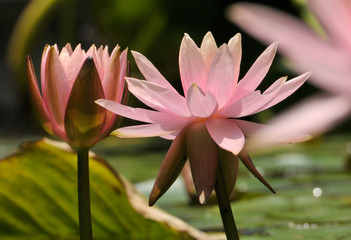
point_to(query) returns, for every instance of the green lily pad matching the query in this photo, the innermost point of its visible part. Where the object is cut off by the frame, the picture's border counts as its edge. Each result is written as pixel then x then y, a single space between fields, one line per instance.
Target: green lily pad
pixel 38 200
pixel 312 181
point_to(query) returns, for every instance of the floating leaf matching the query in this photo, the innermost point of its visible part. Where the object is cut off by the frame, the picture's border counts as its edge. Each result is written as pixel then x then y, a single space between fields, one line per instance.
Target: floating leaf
pixel 38 200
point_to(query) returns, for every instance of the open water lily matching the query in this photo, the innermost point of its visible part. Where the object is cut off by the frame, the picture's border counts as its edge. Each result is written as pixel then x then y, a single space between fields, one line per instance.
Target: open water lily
pixel 205 124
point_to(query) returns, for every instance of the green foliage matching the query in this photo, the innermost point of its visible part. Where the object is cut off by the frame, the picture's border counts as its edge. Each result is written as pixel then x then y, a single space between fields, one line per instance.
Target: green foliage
pixel 38 199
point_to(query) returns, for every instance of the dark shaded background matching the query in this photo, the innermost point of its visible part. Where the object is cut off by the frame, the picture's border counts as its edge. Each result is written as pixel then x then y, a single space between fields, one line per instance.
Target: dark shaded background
pixel 153 27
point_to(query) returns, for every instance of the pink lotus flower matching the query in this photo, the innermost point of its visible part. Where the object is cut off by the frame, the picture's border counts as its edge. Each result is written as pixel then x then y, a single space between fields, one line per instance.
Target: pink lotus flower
pixel 70 83
pixel 205 124
pixel 327 55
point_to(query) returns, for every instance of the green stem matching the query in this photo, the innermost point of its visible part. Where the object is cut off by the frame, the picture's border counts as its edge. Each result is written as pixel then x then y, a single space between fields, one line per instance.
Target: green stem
pixel 226 211
pixel 84 195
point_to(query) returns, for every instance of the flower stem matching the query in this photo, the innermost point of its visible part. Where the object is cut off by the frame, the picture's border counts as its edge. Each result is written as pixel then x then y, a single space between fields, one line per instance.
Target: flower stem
pixel 224 206
pixel 84 195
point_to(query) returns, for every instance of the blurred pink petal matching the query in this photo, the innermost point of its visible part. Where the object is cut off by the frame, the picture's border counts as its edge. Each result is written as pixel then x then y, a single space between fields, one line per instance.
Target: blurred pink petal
pixel 327 56
pixel 308 118
pixel 329 61
pixel 336 17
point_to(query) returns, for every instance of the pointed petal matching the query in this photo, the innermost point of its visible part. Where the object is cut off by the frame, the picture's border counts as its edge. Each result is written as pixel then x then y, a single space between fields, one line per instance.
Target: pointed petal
pixel 208 49
pixel 286 90
pixel 44 58
pixel 170 169
pixel 191 65
pixel 113 83
pixel 68 48
pixel 229 166
pixel 55 87
pixel 65 54
pixel 203 157
pixel 84 120
pixel 254 102
pixel 139 114
pixel 140 131
pixel 201 104
pixel 169 100
pixel 226 134
pixel 134 86
pixel 234 45
pixel 220 80
pixel 36 98
pixel 150 72
pixel 74 64
pixel 258 71
pixel 246 160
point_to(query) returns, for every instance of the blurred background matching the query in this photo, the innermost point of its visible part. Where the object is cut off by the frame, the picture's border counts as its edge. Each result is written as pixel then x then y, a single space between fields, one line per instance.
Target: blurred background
pixel 152 27
pixel 312 179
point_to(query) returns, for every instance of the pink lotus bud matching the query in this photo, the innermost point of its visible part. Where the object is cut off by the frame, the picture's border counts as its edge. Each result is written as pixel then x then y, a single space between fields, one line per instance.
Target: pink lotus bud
pixel 70 83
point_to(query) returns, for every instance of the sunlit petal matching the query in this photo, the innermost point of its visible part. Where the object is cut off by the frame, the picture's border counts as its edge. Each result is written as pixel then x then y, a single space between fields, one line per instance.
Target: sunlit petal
pixel 169 100
pixel 208 49
pixel 55 87
pixel 201 104
pixel 141 131
pixel 149 71
pixel 191 65
pixel 220 80
pixel 257 72
pixel 226 134
pixel 234 45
